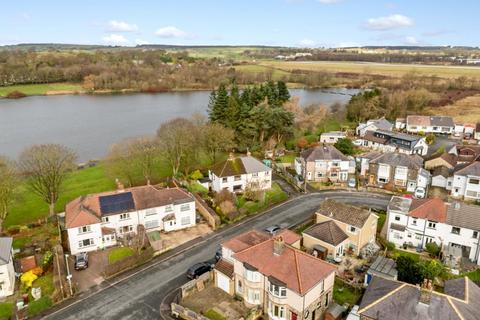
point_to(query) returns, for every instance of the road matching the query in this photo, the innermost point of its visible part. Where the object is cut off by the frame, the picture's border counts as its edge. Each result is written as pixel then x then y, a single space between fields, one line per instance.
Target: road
pixel 138 295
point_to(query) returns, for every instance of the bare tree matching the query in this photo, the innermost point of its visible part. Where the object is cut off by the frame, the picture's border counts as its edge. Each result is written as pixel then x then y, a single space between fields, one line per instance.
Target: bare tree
pixel 8 182
pixel 46 167
pixel 216 138
pixel 177 142
pixel 146 153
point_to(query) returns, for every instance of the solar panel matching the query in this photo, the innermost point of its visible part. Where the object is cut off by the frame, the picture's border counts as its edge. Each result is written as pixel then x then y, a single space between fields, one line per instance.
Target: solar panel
pixel 117 203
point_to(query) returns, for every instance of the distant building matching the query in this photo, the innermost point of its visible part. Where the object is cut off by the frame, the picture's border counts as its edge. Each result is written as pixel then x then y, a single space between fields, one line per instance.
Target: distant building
pixel 324 163
pixel 236 173
pixel 373 125
pixel 387 141
pixel 430 124
pixel 332 137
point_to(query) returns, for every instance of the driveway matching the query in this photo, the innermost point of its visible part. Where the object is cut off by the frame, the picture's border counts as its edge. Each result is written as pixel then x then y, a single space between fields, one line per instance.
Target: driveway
pixel 139 294
pixel 83 280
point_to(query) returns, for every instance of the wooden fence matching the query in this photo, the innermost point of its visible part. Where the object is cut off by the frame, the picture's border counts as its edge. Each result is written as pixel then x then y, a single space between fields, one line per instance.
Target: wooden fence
pixel 207 213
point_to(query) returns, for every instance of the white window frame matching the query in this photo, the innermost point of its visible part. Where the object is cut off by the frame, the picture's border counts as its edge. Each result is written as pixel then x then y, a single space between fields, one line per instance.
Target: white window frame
pixel 105 220
pixel 84 229
pixel 185 207
pixel 82 245
pixel 185 221
pixel 277 291
pixel 252 276
pixel 124 216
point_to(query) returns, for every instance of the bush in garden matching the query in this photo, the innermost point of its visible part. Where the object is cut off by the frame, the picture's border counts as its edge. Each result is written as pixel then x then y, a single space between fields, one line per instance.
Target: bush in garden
pixel 47 259
pixel 27 278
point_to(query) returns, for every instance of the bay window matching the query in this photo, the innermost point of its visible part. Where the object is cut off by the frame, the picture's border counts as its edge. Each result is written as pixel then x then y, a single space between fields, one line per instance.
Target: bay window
pixel 252 276
pixel 278 291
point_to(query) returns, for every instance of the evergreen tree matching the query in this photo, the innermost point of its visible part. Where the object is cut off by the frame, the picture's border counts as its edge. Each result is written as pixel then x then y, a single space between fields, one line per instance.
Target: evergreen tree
pixel 218 109
pixel 283 93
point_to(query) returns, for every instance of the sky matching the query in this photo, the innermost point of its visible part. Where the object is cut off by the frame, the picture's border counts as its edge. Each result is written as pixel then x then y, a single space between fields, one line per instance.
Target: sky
pixel 299 23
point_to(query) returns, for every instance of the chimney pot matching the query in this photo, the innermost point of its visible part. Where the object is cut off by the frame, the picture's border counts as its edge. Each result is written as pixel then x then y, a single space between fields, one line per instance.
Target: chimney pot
pixel 278 245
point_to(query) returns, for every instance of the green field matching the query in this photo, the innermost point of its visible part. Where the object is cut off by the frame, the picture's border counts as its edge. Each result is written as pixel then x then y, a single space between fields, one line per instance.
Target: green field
pixel 40 89
pixel 374 68
pixel 28 207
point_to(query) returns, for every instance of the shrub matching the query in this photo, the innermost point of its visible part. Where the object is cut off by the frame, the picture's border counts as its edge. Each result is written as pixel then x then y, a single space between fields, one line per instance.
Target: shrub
pixel 37 271
pixel 12 230
pixel 345 146
pixel 433 249
pixel 430 138
pixel 195 175
pixel 409 270
pixel 15 95
pixel 27 278
pixel 227 207
pixel 47 259
pixel 223 195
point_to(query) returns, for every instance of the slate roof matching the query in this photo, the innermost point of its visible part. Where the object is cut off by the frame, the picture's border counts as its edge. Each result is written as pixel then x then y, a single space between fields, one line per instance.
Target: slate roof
pixel 298 270
pixel 472 169
pixel 435 121
pixel 449 158
pixel 460 214
pixel 384 267
pixel 238 166
pixel 387 299
pixel 5 249
pixel 323 152
pixel 441 171
pixel 87 210
pixel 327 231
pixel 383 124
pixel 345 213
pixel 433 209
pixel 468 153
pixel 395 159
pixel 401 204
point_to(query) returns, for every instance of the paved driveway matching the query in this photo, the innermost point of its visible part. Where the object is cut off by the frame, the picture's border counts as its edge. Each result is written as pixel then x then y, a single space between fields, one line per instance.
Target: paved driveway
pixel 139 295
pixel 92 276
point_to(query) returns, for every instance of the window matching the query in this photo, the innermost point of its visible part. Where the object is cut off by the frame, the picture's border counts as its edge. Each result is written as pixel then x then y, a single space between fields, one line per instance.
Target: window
pixel 124 216
pixel 239 286
pixel 224 180
pixel 105 220
pixel 455 230
pixel 414 222
pixel 237 178
pixel 252 276
pixel 432 225
pixel 474 181
pixel 84 229
pixel 85 243
pixel 185 207
pixel 276 311
pixel 382 180
pixel 326 299
pixel 418 237
pixel 333 174
pixel 150 212
pixel 319 174
pixel 169 208
pixel 185 221
pixel 397 235
pixel 277 290
pixel 255 174
pixel 253 296
pixel 397 218
pixel 126 229
pixel 151 224
pixel 475 234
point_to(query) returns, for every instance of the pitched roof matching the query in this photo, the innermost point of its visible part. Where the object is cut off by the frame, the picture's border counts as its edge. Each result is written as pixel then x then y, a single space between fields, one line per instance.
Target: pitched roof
pixel 254 237
pixel 237 166
pixel 383 266
pixel 387 299
pixel 88 209
pixel 323 152
pixel 224 267
pixel 327 231
pixel 468 153
pixel 433 209
pixel 441 171
pixel 289 236
pixel 472 169
pixel 449 158
pixel 460 214
pixel 436 121
pixel 345 213
pixel 382 124
pixel 395 159
pixel 299 271
pixel 5 249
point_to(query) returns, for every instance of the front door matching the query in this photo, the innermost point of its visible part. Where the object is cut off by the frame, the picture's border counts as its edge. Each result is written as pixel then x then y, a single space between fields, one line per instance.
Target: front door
pixel 293 316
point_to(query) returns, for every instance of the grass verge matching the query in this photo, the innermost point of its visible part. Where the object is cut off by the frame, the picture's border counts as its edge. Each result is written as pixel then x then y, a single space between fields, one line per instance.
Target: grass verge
pixel 41 89
pixel 214 315
pixel 118 254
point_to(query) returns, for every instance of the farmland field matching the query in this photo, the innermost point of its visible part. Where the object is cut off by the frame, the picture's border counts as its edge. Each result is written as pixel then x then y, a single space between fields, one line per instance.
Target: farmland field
pixel 41 89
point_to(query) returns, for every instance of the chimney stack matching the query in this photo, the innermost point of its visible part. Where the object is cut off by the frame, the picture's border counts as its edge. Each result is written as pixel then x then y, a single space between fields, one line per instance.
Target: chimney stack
pixel 426 292
pixel 278 245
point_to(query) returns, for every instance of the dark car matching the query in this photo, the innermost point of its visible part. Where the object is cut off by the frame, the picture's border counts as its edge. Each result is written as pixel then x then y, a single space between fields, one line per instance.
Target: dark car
pixel 81 261
pixel 273 229
pixel 218 254
pixel 198 269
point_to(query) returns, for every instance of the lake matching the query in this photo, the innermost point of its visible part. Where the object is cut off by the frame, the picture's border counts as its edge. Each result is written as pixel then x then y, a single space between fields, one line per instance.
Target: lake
pixel 90 124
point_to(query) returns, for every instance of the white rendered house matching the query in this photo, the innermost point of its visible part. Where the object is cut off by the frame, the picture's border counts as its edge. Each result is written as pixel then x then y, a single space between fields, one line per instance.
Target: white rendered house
pixel 97 221
pixel 466 182
pixel 7 272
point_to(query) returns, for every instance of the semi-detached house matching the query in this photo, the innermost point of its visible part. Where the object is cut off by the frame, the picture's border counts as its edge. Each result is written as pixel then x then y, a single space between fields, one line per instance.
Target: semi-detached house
pixel 466 182
pixel 455 227
pixel 273 274
pixel 97 221
pixel 430 124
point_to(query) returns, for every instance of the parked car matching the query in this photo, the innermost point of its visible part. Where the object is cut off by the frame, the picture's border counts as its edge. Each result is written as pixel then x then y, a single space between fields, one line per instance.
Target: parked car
pixel 81 261
pixel 198 269
pixel 357 142
pixel 273 229
pixel 352 183
pixel 218 254
pixel 420 193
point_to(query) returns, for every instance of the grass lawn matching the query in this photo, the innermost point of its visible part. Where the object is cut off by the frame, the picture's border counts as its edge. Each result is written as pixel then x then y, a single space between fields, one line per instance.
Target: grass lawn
pixel 46 284
pixel 6 310
pixel 397 253
pixel 382 216
pixel 343 293
pixel 21 242
pixel 35 307
pixel 28 207
pixel 474 275
pixel 40 89
pixel 288 158
pixel 214 315
pixel 118 254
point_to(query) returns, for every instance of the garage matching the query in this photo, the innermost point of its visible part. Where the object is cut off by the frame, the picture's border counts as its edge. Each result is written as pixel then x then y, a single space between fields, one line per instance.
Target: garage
pixel 223 282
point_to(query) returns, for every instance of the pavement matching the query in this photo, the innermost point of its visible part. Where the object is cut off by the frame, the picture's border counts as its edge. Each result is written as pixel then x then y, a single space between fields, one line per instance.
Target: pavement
pixel 140 293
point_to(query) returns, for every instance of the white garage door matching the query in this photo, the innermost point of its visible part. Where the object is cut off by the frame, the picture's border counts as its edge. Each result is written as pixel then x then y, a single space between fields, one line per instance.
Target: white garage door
pixel 223 282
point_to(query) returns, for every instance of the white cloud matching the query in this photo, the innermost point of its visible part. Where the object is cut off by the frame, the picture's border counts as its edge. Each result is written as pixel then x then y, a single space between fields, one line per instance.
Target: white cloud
pixel 411 40
pixel 115 39
pixel 389 22
pixel 141 42
pixel 121 26
pixel 329 1
pixel 306 43
pixel 171 32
